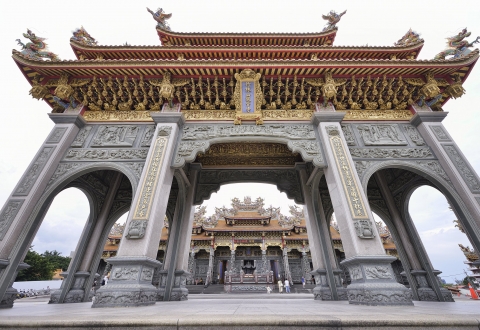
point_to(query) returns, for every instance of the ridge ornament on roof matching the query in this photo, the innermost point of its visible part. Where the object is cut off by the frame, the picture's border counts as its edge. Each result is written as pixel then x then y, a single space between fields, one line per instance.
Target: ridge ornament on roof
pixel 161 17
pixel 333 18
pixel 456 46
pixel 410 38
pixel 36 49
pixel 82 36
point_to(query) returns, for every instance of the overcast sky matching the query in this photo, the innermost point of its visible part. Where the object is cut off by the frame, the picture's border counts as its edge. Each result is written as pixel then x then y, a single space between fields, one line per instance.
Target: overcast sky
pixel 25 124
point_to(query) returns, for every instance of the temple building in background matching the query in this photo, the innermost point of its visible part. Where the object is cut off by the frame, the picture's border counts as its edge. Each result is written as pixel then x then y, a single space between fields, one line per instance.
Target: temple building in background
pixel 265 241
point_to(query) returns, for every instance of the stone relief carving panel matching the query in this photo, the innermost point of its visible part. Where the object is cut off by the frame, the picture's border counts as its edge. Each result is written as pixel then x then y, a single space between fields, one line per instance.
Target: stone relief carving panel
pixel 115 136
pixel 348 134
pixel 439 133
pixel 435 167
pixel 125 273
pixel 147 136
pixel 197 138
pixel 81 137
pixel 381 134
pixel 33 171
pixel 136 229
pixel 463 168
pixel 9 213
pixel 105 154
pixel 383 153
pixel 414 135
pixel 56 135
pixel 377 272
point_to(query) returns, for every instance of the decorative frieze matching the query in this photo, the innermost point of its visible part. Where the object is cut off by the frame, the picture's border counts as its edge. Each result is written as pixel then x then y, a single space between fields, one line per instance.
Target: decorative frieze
pixel 9 213
pixel 440 134
pixel 115 136
pixel 81 136
pixel 435 167
pixel 56 135
pixel 463 168
pixel 383 153
pixel 136 168
pixel 33 171
pixel 118 115
pixel 105 154
pixel 414 135
pixel 381 134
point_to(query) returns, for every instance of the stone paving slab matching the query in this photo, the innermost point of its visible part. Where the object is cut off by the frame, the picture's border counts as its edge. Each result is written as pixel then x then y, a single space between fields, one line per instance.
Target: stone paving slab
pixel 250 311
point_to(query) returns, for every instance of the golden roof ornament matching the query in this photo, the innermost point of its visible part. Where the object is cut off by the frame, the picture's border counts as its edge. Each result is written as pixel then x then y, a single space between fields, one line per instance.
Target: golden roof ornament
pixel 167 86
pixel 161 17
pixel 456 89
pixel 333 18
pixel 248 97
pixel 328 86
pixel 38 91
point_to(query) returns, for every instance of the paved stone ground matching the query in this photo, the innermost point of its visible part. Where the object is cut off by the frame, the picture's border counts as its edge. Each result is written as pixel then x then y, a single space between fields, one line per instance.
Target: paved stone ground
pixel 242 311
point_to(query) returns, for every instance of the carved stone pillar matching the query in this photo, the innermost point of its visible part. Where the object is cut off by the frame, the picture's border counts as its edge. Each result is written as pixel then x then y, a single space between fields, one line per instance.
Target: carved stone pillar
pixel 17 230
pixel 132 269
pixel 191 267
pixel 286 266
pixel 264 263
pixel 231 266
pixel 458 170
pixel 373 282
pixel 323 257
pixel 209 279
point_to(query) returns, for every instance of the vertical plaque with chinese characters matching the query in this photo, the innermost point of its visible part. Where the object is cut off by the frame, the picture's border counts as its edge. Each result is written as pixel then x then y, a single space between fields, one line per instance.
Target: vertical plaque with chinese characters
pixel 248 97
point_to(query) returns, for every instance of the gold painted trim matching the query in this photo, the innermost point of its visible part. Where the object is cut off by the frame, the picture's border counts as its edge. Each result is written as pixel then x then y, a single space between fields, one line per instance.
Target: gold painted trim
pixel 226 115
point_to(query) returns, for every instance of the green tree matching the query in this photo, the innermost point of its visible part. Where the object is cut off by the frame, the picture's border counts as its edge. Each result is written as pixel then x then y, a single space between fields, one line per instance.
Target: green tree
pixel 55 258
pixel 40 268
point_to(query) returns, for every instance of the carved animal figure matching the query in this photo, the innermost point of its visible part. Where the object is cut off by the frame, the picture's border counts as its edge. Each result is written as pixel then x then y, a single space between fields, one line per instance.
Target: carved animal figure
pixel 161 18
pixel 410 38
pixel 82 36
pixel 456 46
pixel 333 18
pixel 37 48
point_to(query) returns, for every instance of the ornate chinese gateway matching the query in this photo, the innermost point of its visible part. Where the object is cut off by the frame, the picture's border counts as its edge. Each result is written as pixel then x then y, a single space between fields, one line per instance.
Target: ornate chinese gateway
pixel 154 130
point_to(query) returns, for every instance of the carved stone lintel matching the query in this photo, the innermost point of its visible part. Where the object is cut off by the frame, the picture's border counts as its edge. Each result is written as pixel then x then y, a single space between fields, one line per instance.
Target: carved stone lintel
pixel 105 154
pixel 383 153
pixel 414 135
pixel 115 136
pixel 348 134
pixel 81 136
pixel 440 134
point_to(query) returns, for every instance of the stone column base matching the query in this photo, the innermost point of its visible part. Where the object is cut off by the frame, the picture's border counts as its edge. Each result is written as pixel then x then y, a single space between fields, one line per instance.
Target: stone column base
pixel 322 290
pixel 179 292
pixel 373 282
pixel 11 293
pixel 130 283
